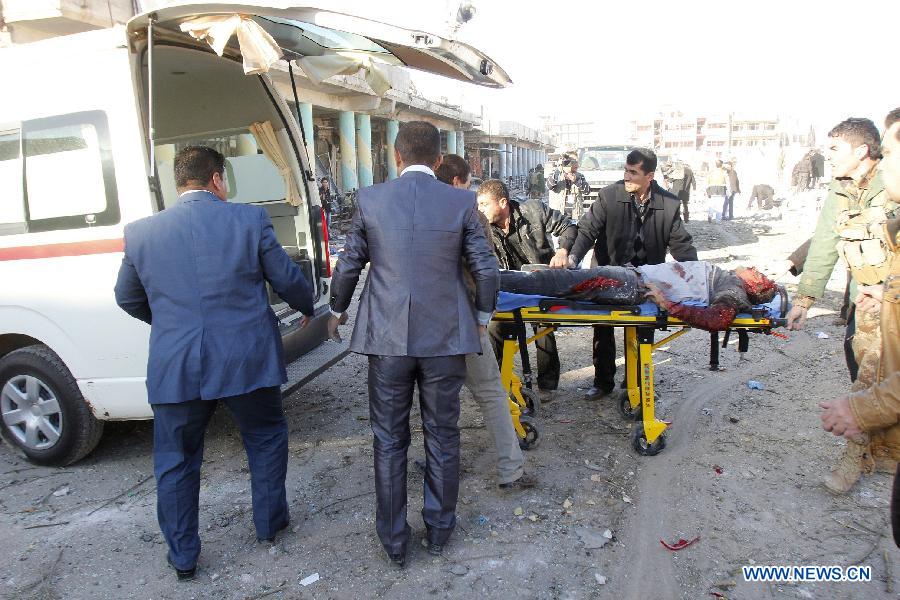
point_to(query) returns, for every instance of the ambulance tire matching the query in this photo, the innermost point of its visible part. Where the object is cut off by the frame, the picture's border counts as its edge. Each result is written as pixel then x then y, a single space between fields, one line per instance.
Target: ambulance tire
pixel 44 416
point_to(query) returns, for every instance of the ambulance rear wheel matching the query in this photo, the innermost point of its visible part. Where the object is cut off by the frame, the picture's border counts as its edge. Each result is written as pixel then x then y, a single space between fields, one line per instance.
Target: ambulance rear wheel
pixel 642 446
pixel 531 434
pixel 44 416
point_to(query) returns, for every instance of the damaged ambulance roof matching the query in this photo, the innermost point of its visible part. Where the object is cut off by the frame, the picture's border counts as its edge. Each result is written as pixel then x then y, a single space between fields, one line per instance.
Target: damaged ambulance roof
pixel 304 31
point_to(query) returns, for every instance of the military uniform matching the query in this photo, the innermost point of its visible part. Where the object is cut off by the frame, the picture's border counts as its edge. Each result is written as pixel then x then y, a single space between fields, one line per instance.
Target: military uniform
pixel 851 226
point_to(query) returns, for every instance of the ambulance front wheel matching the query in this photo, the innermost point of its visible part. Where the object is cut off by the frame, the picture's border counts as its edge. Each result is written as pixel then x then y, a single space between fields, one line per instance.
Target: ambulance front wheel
pixel 642 446
pixel 44 415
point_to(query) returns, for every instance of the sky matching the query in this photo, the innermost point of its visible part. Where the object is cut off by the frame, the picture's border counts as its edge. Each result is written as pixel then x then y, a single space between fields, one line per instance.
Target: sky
pixel 610 62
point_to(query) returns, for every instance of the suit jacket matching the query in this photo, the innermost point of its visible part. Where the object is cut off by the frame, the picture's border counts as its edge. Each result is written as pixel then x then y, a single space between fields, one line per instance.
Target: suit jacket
pixel 610 226
pixel 414 231
pixel 196 273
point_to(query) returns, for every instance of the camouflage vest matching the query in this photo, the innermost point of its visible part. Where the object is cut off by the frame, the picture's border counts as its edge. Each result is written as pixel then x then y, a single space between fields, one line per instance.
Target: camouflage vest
pixel 860 225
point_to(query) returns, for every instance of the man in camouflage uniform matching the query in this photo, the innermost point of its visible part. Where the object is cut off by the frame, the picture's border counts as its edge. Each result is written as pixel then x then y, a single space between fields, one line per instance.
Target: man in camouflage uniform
pixel 566 181
pixel 536 182
pixel 851 226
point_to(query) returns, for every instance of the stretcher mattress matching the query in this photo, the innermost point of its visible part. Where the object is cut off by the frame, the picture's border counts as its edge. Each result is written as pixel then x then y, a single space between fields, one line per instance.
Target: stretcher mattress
pixel 509 301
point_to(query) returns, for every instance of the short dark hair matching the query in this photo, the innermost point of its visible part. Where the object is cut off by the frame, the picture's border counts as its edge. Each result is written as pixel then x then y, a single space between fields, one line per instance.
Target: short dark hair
pixel 718 163
pixel 453 165
pixel 892 117
pixel 197 164
pixel 419 143
pixel 645 158
pixel 494 188
pixel 858 131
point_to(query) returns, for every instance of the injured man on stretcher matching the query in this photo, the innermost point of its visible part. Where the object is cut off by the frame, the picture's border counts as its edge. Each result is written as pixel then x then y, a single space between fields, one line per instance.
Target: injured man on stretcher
pixel 699 293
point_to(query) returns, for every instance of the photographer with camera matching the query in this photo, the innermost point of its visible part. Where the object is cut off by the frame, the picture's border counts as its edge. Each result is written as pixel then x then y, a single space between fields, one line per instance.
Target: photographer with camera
pixel 566 181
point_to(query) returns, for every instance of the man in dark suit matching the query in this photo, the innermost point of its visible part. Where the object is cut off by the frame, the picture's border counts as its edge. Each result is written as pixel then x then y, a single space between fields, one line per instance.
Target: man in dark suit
pixel 632 222
pixel 416 323
pixel 196 273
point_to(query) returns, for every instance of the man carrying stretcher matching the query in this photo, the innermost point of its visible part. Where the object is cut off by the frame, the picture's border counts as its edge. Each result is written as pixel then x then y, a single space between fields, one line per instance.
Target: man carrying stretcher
pixel 696 292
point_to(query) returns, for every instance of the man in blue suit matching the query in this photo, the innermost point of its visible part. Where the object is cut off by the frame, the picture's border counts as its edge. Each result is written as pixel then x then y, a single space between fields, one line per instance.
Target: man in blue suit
pixel 196 274
pixel 416 323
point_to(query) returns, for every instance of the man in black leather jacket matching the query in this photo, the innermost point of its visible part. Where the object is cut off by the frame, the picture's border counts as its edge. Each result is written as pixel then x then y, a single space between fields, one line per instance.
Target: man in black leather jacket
pixel 634 221
pixel 522 234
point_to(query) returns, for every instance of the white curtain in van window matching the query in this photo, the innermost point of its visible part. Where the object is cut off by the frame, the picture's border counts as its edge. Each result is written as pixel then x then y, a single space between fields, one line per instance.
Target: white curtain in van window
pixel 320 68
pixel 268 143
pixel 258 48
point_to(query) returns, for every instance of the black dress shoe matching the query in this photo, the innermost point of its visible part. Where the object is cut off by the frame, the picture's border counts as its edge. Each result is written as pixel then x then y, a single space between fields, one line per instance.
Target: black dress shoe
pixel 271 540
pixel 183 574
pixel 395 560
pixel 433 549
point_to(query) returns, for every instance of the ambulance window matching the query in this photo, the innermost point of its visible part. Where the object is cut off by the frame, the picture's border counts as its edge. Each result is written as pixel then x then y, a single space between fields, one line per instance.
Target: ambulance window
pixel 12 208
pixel 251 177
pixel 69 177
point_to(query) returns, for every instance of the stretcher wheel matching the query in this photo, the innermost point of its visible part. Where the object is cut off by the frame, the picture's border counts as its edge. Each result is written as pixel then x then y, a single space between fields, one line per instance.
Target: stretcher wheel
pixel 642 446
pixel 532 401
pixel 531 434
pixel 625 409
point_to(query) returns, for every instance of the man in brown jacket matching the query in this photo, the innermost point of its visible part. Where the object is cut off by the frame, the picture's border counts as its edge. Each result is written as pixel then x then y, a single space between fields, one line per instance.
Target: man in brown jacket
pixel 875 411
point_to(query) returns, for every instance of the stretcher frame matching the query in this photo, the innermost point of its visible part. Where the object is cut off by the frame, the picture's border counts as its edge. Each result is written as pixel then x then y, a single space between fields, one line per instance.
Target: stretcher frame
pixel 637 401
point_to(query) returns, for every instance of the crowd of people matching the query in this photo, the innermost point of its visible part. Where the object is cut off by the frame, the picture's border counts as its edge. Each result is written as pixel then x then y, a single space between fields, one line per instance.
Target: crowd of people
pixel 434 252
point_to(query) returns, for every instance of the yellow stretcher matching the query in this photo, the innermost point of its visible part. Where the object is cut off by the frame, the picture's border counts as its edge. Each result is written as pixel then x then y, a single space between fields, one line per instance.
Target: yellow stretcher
pixel 637 400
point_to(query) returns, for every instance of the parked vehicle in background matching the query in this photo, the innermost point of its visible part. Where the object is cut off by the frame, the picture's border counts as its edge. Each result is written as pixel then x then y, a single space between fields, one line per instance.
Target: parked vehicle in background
pixel 603 165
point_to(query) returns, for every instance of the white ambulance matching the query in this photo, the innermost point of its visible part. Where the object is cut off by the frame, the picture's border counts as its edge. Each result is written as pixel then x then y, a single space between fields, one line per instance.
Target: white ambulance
pixel 89 126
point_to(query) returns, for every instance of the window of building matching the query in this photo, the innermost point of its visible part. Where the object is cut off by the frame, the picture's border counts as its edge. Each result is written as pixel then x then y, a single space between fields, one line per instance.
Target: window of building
pixel 770 126
pixel 753 126
pixel 66 166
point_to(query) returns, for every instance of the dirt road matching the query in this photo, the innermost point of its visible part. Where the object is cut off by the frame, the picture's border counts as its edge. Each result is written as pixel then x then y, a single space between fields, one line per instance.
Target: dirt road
pixel 741 471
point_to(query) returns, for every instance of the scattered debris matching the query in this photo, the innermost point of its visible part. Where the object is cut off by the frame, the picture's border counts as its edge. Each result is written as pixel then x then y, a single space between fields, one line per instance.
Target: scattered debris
pixel 755 385
pixel 601 580
pixel 459 570
pixel 567 503
pixel 592 466
pixel 481 520
pixel 733 419
pixel 593 540
pixel 519 511
pixel 822 335
pixel 63 491
pixel 719 470
pixel 309 580
pixel 681 544
pixel 627 499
